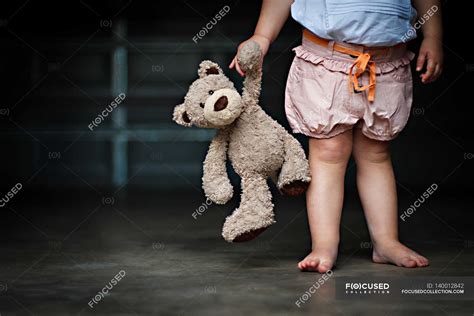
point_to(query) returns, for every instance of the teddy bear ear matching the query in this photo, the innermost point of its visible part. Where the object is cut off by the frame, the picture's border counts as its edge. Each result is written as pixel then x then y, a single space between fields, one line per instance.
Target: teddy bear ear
pixel 180 115
pixel 207 68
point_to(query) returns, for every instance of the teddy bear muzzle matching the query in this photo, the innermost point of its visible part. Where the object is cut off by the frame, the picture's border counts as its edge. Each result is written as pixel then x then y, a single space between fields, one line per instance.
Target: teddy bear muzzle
pixel 223 107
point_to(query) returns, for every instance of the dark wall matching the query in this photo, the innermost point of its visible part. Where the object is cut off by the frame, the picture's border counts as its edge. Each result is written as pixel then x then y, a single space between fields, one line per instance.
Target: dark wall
pixel 63 62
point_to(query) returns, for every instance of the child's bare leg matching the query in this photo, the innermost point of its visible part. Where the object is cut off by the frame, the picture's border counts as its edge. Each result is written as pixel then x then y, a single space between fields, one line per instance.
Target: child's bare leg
pixel 377 190
pixel 328 161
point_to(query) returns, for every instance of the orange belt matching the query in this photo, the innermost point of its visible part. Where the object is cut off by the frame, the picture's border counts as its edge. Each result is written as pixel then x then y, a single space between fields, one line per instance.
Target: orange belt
pixel 361 63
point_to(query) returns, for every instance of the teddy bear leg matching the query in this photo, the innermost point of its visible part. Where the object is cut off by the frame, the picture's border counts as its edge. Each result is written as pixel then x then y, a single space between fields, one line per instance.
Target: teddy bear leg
pixel 295 175
pixel 254 214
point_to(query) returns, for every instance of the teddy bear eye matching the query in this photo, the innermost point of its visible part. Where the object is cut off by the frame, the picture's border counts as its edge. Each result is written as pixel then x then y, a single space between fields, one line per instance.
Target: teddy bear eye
pixel 201 105
pixel 211 92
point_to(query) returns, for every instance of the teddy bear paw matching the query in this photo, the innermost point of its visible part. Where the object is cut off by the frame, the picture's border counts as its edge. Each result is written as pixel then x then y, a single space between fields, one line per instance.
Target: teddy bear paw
pixel 244 226
pixel 294 188
pixel 220 194
pixel 250 235
pixel 249 56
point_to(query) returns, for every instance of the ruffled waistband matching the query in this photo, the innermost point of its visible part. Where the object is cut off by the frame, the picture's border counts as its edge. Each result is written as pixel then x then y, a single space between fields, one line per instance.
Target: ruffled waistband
pixel 343 64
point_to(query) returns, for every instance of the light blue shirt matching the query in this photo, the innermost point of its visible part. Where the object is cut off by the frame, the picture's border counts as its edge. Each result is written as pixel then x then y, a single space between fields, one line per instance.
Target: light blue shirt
pixel 369 23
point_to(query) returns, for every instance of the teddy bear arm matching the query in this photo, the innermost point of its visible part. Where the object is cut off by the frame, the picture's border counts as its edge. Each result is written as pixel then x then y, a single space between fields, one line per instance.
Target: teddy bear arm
pixel 215 181
pixel 252 87
pixel 249 60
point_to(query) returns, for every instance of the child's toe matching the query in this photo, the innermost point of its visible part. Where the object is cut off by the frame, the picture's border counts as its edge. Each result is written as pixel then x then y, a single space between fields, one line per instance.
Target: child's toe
pixel 408 262
pixel 422 261
pixel 324 267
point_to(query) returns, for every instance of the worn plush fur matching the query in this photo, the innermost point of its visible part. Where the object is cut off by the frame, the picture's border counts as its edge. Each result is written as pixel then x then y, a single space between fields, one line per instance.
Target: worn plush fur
pixel 257 146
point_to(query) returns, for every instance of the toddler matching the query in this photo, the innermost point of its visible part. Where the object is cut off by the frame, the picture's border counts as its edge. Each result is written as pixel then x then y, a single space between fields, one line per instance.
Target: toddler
pixel 350 90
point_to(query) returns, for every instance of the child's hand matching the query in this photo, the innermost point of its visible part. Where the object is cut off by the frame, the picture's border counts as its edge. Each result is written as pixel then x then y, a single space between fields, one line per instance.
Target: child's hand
pixel 264 44
pixel 431 53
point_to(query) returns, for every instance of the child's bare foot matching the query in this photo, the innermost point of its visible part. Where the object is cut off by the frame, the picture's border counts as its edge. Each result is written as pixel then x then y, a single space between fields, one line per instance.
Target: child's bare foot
pixel 321 259
pixel 396 253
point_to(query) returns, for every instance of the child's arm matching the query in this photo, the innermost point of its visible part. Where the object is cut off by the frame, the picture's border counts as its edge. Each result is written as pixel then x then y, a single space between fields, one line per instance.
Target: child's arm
pixel 431 50
pixel 273 16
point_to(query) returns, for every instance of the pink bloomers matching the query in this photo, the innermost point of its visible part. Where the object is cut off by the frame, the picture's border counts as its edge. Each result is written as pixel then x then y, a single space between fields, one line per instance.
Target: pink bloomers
pixel 320 103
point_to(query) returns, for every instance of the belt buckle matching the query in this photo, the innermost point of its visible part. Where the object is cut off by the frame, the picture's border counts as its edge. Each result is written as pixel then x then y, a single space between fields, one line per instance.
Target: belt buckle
pixel 356 91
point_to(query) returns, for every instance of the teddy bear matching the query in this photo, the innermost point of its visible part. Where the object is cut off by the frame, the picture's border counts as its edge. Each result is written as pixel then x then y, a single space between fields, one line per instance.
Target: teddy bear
pixel 257 146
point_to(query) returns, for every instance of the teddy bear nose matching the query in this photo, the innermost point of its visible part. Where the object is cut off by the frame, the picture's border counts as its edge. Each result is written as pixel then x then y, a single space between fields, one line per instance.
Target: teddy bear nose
pixel 221 103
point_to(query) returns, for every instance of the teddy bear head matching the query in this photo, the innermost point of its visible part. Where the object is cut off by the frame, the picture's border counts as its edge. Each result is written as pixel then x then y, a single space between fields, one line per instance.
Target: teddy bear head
pixel 212 100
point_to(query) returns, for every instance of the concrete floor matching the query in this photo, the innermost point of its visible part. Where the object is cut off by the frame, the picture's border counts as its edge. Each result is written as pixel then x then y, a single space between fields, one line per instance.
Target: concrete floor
pixel 56 257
